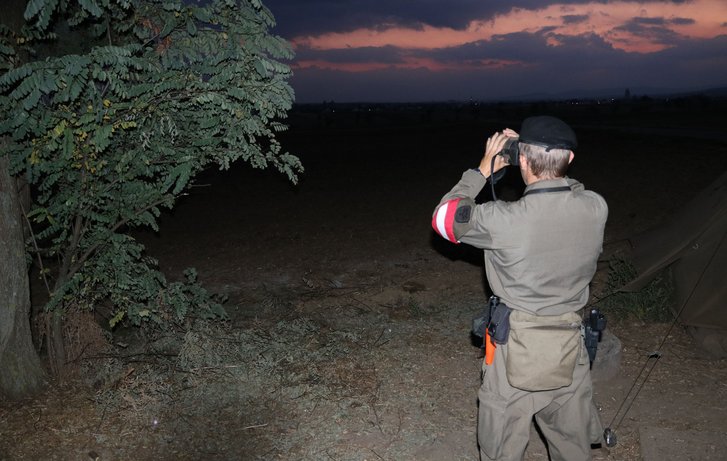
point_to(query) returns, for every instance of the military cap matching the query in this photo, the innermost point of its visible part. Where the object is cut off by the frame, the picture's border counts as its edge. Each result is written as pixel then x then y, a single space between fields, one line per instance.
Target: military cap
pixel 547 131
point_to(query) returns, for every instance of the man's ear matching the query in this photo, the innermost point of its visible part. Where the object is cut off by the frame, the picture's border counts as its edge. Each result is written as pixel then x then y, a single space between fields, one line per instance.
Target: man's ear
pixel 570 159
pixel 524 162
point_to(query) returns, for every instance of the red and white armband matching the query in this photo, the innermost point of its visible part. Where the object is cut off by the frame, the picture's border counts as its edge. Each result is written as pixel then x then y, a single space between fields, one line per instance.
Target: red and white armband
pixel 451 219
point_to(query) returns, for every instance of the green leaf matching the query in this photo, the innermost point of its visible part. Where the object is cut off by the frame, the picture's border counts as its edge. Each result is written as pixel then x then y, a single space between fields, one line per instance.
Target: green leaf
pixel 14 75
pixel 102 137
pixel 178 177
pixel 68 142
pixel 191 28
pixel 4 49
pixel 33 8
pixel 91 6
pixel 260 68
pixel 169 26
pixel 32 100
pixel 202 14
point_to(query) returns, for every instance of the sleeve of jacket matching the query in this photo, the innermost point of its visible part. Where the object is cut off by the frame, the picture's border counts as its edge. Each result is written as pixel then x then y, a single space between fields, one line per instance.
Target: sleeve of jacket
pixel 469 186
pixel 454 217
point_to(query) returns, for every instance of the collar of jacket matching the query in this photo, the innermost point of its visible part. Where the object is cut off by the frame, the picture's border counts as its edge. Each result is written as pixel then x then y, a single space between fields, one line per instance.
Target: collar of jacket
pixel 546 183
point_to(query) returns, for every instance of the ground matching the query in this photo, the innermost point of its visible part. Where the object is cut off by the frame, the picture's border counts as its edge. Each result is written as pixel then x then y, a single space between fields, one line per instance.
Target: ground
pixel 348 336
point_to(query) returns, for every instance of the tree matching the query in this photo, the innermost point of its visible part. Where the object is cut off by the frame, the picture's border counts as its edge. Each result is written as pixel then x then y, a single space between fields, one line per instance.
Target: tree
pixel 111 136
pixel 22 372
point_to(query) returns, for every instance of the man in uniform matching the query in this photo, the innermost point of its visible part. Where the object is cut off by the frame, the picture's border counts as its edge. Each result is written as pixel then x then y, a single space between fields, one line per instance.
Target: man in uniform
pixel 540 255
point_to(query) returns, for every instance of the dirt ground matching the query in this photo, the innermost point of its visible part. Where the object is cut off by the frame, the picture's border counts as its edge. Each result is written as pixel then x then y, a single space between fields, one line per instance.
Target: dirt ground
pixel 348 336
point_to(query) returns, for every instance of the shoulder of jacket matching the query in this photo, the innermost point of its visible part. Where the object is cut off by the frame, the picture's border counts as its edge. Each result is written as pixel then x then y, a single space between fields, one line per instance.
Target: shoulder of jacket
pixel 578 186
pixel 595 200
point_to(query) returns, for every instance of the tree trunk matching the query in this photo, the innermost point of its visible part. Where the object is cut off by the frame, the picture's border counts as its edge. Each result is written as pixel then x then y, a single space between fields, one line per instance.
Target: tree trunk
pixel 21 373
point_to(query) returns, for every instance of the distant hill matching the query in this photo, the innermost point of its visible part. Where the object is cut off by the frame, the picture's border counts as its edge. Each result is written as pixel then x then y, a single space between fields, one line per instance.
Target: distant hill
pixel 616 93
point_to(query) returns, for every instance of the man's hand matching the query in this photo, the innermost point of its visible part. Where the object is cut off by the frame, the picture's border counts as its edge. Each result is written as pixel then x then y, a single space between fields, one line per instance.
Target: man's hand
pixel 495 143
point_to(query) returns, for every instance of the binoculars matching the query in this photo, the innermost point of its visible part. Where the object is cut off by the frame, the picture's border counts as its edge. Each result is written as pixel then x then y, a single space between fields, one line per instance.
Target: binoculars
pixel 511 152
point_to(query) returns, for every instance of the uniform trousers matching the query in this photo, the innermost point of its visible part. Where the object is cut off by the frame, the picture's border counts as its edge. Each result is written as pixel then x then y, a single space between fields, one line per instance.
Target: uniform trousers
pixel 567 416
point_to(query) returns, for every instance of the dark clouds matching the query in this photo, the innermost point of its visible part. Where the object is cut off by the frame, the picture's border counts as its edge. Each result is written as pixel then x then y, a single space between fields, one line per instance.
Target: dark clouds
pixel 682 21
pixel 532 48
pixel 384 54
pixel 296 17
pixel 574 18
pixel 662 21
pixel 654 29
pixel 319 16
pixel 550 59
pixel 311 17
pixel 584 64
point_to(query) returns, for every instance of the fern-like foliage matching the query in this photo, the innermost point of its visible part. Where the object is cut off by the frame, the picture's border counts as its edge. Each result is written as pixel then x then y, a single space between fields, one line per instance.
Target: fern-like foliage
pixel 111 136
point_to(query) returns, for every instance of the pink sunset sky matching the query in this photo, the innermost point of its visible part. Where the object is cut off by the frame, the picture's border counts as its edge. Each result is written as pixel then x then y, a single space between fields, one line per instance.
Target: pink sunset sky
pixel 430 50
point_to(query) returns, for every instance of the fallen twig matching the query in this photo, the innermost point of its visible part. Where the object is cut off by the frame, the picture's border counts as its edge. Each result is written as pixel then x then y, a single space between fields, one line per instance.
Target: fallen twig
pixel 214 368
pixel 255 426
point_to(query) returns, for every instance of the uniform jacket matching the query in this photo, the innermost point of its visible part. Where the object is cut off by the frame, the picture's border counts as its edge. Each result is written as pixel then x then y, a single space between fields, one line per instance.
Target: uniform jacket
pixel 540 251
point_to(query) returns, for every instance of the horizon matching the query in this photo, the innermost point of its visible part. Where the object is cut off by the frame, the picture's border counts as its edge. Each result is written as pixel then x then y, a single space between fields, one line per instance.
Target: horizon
pixel 595 96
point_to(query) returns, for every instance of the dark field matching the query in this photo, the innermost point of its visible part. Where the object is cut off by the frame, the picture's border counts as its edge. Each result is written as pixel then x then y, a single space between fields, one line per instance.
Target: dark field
pixel 349 319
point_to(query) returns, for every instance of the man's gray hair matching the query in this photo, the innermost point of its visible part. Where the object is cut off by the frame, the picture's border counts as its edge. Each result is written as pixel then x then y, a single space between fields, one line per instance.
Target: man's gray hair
pixel 546 164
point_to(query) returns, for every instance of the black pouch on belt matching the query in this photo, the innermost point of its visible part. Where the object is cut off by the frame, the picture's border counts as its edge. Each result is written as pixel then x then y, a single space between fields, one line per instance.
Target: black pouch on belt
pixel 499 326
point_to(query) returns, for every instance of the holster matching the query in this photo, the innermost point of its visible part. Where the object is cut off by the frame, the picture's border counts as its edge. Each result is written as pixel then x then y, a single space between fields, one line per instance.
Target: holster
pixel 592 332
pixel 479 323
pixel 499 325
pixel 494 318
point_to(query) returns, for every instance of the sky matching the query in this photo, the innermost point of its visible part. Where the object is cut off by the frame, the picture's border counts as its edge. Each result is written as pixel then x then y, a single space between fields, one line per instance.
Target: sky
pixel 442 50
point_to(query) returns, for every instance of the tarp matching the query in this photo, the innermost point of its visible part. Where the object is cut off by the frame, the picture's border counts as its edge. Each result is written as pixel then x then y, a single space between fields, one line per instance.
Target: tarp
pixel 693 241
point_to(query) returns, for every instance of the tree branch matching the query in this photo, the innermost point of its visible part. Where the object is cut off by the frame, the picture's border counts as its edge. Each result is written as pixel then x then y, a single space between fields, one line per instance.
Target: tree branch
pixel 90 251
pixel 37 249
